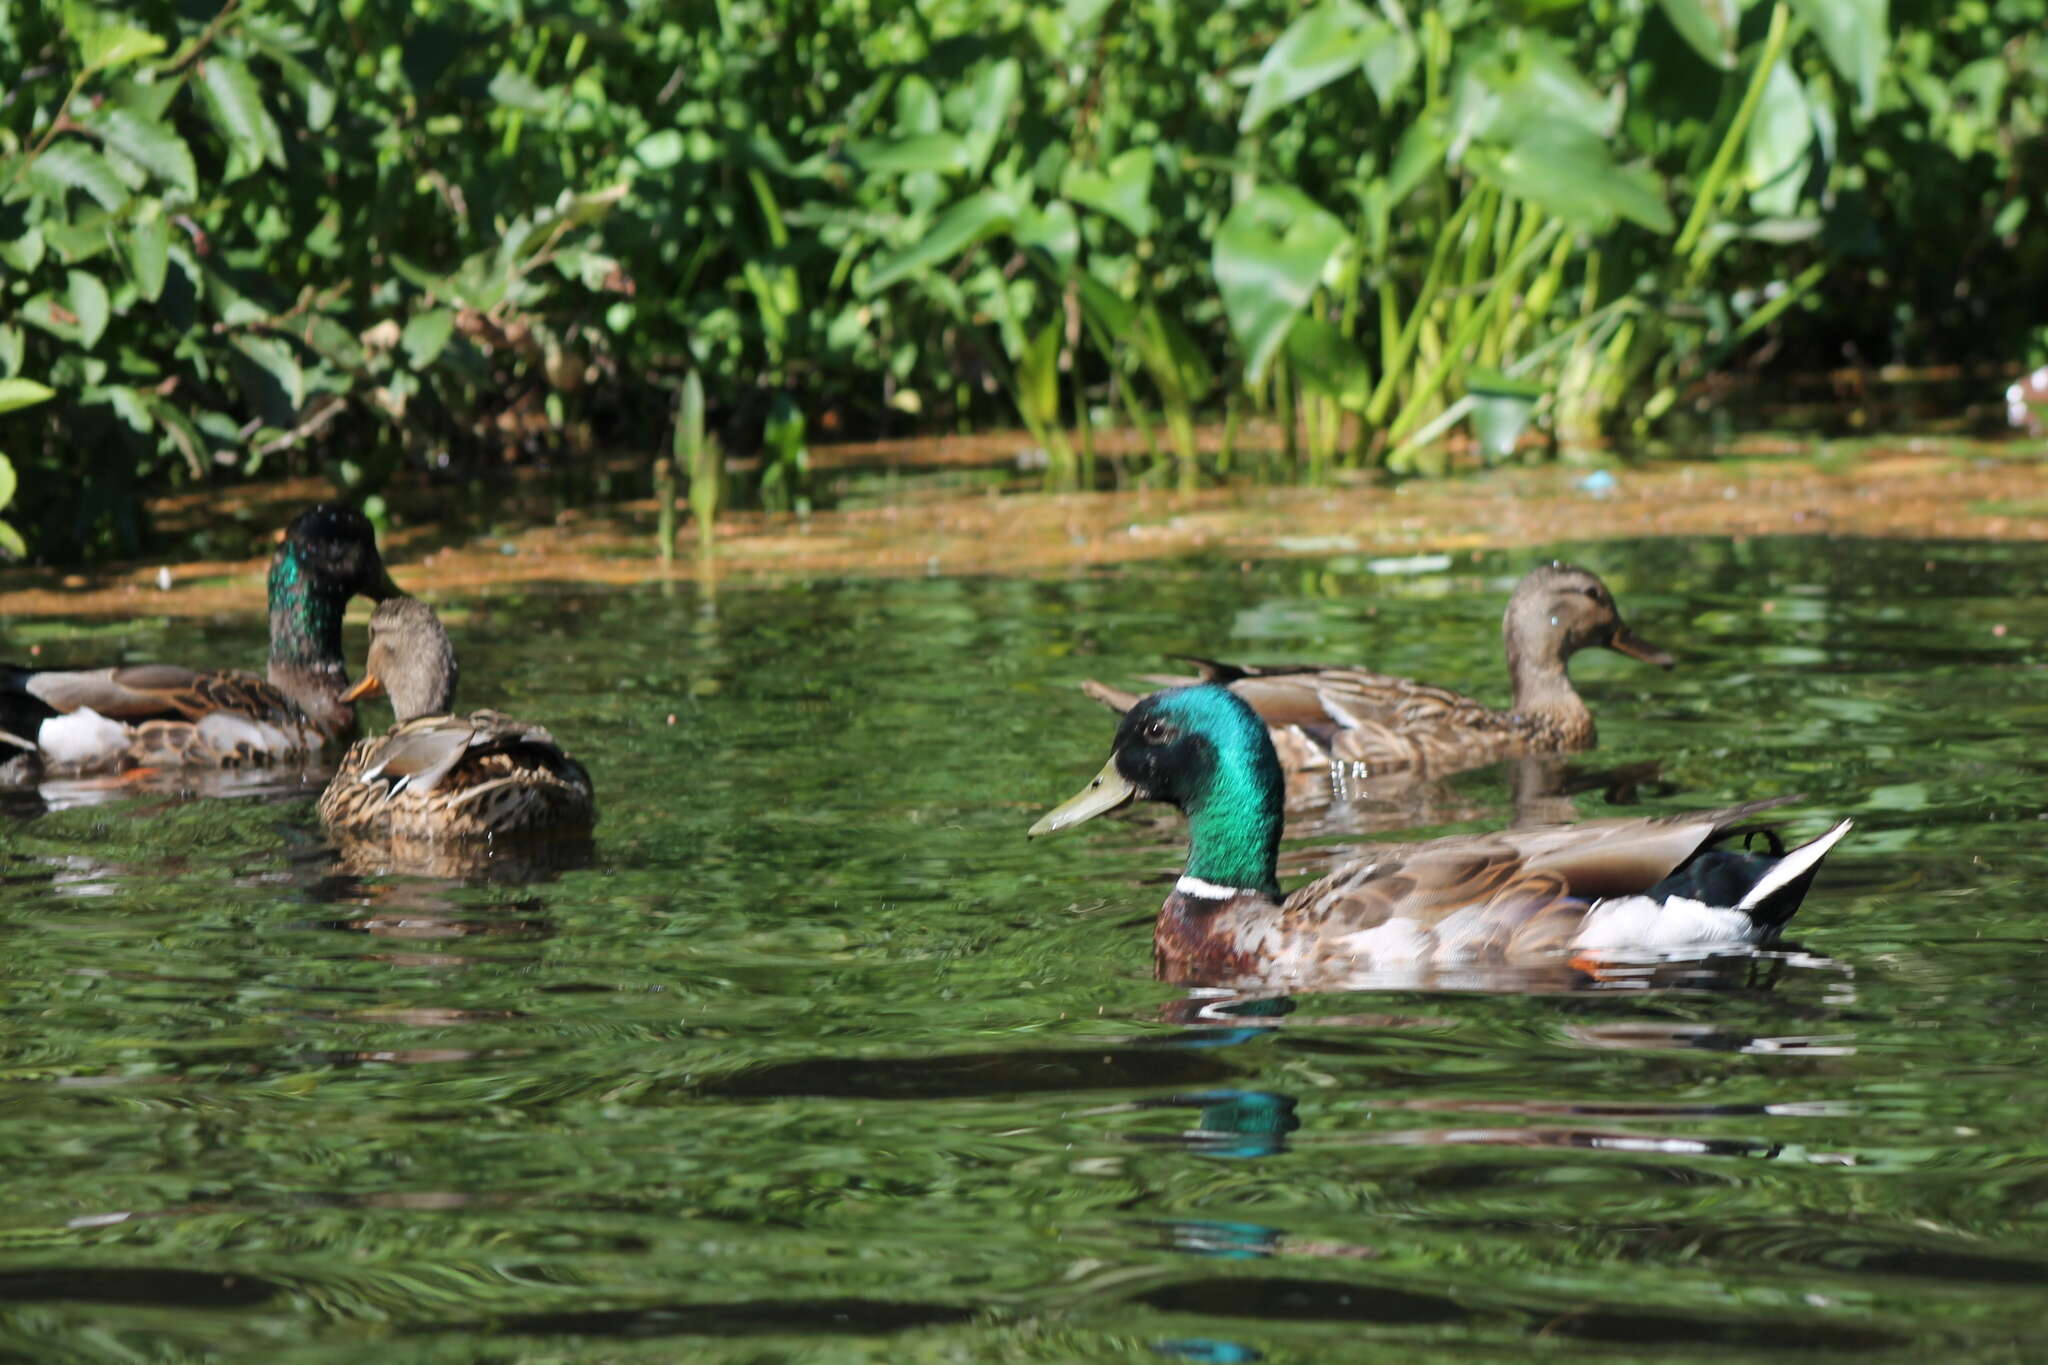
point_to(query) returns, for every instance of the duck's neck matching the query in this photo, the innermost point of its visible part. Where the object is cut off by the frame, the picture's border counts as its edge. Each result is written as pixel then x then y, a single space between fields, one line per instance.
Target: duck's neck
pixel 306 661
pixel 1544 695
pixel 1234 835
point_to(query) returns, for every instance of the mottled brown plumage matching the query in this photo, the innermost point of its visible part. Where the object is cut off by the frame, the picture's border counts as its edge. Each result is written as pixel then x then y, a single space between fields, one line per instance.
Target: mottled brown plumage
pixel 436 775
pixel 1359 723
pixel 107 720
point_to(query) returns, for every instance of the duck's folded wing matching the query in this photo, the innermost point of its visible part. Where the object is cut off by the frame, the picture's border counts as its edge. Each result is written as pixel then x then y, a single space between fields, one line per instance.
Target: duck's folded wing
pixel 139 692
pixel 418 754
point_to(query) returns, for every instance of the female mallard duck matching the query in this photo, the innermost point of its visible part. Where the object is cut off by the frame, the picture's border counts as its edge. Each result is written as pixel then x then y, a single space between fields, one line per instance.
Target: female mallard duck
pixel 137 716
pixel 1360 723
pixel 436 775
pixel 1518 898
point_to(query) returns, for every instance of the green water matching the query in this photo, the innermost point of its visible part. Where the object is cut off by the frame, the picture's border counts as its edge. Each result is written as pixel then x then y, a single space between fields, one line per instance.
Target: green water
pixel 817 1058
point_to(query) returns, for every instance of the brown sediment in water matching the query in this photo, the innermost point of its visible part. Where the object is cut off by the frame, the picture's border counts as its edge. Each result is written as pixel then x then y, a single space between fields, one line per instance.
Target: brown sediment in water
pixel 1947 490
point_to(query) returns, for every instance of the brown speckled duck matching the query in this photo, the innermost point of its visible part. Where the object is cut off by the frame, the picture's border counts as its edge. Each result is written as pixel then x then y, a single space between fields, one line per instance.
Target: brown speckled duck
pixel 437 775
pixel 136 717
pixel 1362 724
pixel 1520 898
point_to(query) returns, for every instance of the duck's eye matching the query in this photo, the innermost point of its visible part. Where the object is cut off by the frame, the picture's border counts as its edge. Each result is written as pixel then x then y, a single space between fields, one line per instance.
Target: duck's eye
pixel 1597 594
pixel 1156 732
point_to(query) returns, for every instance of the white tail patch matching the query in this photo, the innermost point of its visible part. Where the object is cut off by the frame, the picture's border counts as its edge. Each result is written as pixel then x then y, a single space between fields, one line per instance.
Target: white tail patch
pixel 84 737
pixel 1639 922
pixel 1793 866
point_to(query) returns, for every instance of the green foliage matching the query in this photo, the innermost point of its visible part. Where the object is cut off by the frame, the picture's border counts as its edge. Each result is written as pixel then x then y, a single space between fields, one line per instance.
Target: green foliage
pixel 364 237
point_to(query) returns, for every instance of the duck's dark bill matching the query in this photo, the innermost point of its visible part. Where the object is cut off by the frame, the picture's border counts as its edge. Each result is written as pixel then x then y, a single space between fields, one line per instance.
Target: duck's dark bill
pixel 1109 790
pixel 1627 642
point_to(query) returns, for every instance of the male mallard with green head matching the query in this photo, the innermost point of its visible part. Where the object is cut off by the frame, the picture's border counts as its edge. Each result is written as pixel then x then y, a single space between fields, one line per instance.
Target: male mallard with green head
pixel 1365 723
pixel 1517 898
pixel 132 716
pixel 437 775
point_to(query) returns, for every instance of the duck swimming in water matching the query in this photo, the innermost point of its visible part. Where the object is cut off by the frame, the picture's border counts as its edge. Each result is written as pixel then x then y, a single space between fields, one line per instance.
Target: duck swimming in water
pixel 1527 897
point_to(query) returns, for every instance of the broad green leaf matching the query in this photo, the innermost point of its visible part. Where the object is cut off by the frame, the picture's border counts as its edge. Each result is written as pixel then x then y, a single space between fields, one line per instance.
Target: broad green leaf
pixel 235 102
pixel 127 402
pixel 1038 379
pixel 1422 150
pixel 1322 45
pixel 968 223
pixel 1268 255
pixel 994 97
pixel 8 482
pixel 1388 61
pixel 22 393
pixel 147 246
pixel 13 349
pixel 1569 172
pixel 1124 192
pixel 74 165
pixel 1709 26
pixel 1052 230
pixel 1856 34
pixel 117 45
pixel 274 356
pixel 10 539
pixel 945 153
pixel 1106 309
pixel 1329 363
pixel 149 144
pixel 516 90
pixel 426 335
pixel 179 432
pixel 88 299
pixel 25 252
pixel 1776 154
pixel 659 150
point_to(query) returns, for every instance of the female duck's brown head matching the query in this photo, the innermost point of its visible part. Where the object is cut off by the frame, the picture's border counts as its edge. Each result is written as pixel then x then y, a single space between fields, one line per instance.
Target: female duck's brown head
pixel 1558 610
pixel 412 660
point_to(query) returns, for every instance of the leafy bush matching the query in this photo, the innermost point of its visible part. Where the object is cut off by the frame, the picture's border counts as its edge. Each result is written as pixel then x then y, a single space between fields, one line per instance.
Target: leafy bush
pixel 289 234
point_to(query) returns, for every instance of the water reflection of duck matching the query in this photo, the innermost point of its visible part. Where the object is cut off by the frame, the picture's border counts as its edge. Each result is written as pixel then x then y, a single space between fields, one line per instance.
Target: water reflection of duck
pixel 1518 897
pixel 435 775
pixel 1353 722
pixel 136 717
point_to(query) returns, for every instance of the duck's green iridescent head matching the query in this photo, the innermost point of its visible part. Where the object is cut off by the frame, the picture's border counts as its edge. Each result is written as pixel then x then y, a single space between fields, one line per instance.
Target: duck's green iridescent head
pixel 1203 750
pixel 328 555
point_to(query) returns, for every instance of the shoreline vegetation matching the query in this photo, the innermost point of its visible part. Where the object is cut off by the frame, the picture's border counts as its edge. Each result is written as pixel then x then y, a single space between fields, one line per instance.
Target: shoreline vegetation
pixel 366 242
pixel 1945 489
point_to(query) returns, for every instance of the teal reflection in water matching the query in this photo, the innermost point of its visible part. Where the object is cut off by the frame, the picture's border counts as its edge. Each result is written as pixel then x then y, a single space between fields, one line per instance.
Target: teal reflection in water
pixel 811 1055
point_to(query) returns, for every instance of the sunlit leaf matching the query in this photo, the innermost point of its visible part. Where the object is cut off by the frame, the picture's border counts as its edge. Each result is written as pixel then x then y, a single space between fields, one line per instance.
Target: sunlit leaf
pixel 147 248
pixel 1105 308
pixel 1171 357
pixel 1570 173
pixel 1038 379
pixel 1052 230
pixel 116 45
pixel 1709 26
pixel 88 300
pixel 235 102
pixel 1501 410
pixel 426 335
pixel 10 539
pixel 659 150
pixel 1121 191
pixel 1268 255
pixel 149 144
pixel 968 223
pixel 942 152
pixel 994 97
pixel 1856 35
pixel 1320 46
pixel 8 483
pixel 1776 153
pixel 22 393
pixel 25 252
pixel 275 357
pixel 516 90
pixel 74 165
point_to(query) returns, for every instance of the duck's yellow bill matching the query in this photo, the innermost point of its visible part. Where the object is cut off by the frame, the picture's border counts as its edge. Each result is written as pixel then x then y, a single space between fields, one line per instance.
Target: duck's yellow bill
pixel 1109 790
pixel 371 686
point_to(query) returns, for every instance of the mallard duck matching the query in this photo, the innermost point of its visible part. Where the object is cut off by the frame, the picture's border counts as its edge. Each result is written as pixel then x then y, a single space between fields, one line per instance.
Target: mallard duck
pixel 135 716
pixel 437 775
pixel 1523 897
pixel 1362 724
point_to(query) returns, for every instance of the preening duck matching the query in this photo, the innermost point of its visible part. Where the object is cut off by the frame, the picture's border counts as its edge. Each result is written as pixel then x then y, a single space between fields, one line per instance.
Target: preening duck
pixel 76 722
pixel 1527 897
pixel 436 775
pixel 1367 723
